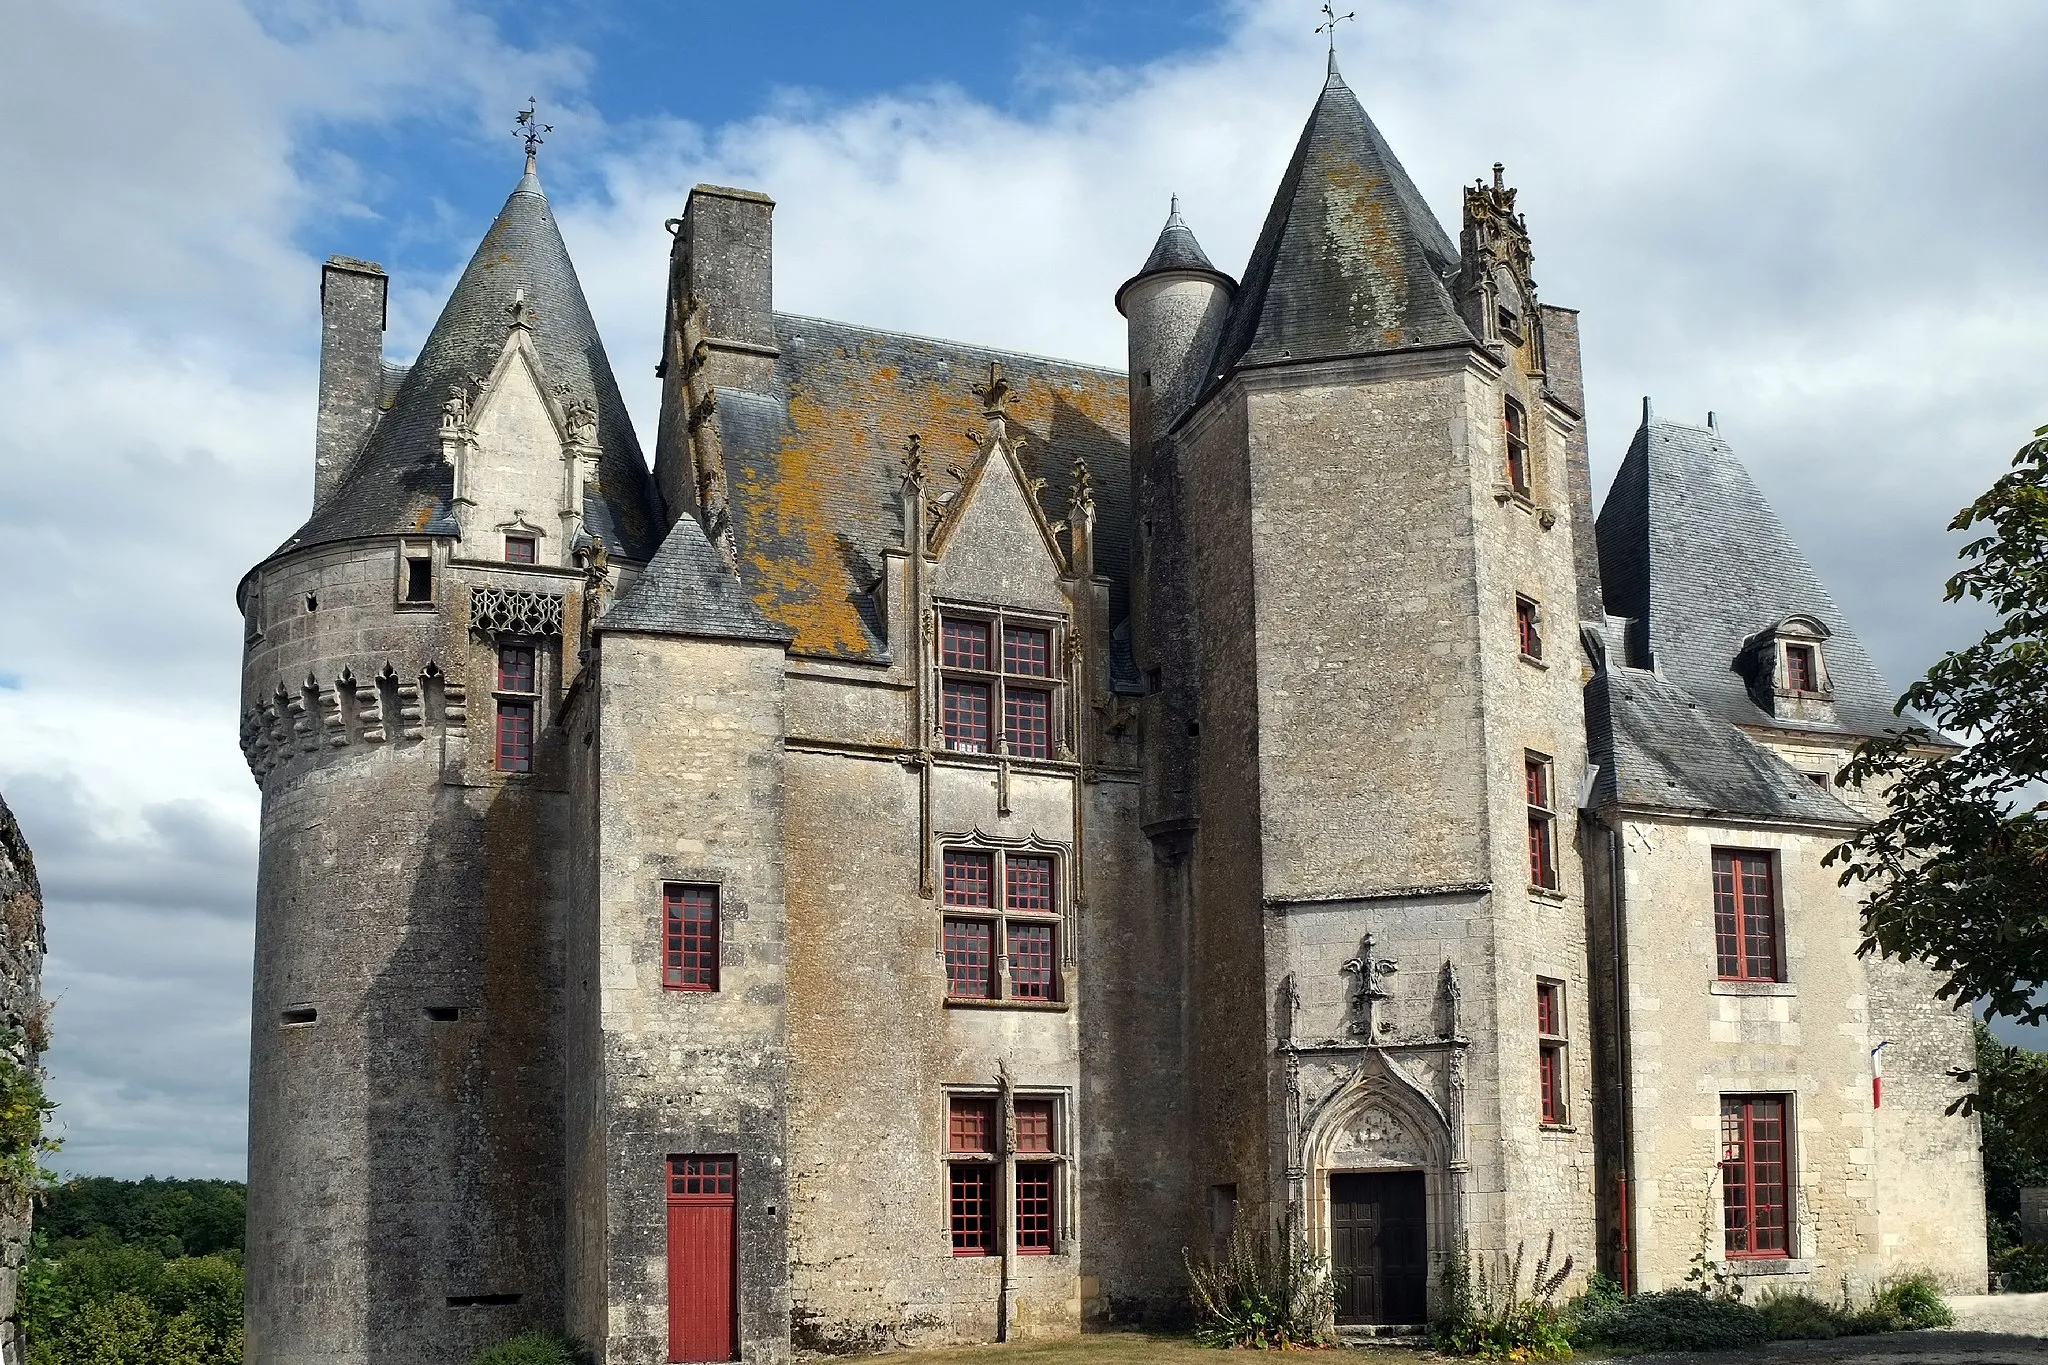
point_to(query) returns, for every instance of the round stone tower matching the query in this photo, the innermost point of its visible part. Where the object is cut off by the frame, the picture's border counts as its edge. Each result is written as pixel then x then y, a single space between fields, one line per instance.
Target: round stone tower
pixel 1176 306
pixel 406 652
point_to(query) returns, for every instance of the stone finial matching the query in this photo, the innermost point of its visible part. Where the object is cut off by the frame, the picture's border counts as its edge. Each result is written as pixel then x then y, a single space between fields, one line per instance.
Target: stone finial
pixel 995 393
pixel 1084 486
pixel 914 468
pixel 521 310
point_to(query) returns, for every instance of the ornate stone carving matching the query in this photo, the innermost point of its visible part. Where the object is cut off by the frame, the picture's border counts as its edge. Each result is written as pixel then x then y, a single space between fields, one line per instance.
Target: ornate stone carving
pixel 511 611
pixel 1448 1024
pixel 1370 971
pixel 581 416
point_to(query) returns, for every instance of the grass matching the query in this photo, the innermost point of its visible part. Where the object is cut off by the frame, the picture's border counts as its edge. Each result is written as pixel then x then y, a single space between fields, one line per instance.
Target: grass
pixel 1117 1348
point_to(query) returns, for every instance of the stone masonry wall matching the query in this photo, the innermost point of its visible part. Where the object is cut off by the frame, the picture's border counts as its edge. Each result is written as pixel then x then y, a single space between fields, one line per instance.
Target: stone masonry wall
pixel 23 1016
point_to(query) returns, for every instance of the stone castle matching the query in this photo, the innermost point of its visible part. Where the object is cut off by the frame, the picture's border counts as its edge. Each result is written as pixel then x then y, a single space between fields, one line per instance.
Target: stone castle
pixel 965 827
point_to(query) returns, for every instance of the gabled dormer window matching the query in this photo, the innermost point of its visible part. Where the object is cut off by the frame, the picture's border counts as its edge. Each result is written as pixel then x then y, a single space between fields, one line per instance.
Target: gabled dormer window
pixel 1802 669
pixel 1787 669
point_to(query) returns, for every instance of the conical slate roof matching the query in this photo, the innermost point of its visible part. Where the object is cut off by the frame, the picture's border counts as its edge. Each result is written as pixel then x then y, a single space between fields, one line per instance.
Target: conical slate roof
pixel 399 483
pixel 1350 259
pixel 1176 250
pixel 1699 561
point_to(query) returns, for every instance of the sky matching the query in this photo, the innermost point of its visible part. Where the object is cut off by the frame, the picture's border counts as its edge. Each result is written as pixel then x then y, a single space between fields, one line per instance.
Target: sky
pixel 1816 220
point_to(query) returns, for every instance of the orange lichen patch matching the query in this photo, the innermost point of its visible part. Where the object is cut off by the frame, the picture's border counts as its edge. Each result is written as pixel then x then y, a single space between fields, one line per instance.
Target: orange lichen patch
pixel 1360 212
pixel 815 509
pixel 422 517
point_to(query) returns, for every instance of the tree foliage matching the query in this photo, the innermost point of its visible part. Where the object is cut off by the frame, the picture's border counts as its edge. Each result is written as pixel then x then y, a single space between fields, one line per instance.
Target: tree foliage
pixel 1956 875
pixel 101 1303
pixel 170 1217
pixel 2015 1151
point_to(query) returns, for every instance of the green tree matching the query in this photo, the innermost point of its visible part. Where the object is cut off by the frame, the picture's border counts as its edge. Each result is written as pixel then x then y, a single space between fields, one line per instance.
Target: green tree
pixel 2015 1152
pixel 1956 875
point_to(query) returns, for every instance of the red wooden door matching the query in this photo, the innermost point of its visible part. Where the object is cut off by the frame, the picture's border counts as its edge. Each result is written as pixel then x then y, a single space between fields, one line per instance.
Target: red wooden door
pixel 702 1231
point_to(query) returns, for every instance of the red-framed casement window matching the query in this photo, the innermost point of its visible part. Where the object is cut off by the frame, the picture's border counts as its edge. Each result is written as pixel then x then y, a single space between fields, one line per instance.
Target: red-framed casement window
pixel 1756 1186
pixel 993 668
pixel 518 682
pixel 1529 627
pixel 689 937
pixel 1745 915
pixel 1801 674
pixel 972 1130
pixel 1551 1042
pixel 1038 1182
pixel 520 549
pixel 1515 421
pixel 1542 822
pixel 1001 909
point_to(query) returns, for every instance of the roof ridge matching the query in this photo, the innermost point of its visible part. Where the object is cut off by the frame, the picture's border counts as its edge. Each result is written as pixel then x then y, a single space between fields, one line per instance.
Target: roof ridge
pixel 954 342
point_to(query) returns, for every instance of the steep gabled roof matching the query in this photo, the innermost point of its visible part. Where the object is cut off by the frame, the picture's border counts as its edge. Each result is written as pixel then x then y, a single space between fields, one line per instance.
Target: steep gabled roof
pixel 399 484
pixel 1350 259
pixel 1695 556
pixel 1659 749
pixel 687 589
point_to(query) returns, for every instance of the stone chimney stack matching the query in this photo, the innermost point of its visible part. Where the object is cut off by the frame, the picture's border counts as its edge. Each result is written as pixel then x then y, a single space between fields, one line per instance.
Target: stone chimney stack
pixel 351 366
pixel 728 272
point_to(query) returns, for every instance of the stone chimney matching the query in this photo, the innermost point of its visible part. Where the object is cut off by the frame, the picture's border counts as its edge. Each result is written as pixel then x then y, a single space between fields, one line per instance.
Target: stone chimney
pixel 351 366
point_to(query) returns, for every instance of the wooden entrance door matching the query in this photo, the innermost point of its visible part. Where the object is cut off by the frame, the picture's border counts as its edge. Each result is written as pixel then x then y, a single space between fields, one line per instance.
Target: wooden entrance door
pixel 1379 1247
pixel 702 1238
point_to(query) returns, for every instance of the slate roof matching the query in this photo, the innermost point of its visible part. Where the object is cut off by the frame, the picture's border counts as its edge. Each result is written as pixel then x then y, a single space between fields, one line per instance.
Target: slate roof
pixel 399 484
pixel 1176 250
pixel 1350 259
pixel 687 589
pixel 1692 553
pixel 1658 748
pixel 814 469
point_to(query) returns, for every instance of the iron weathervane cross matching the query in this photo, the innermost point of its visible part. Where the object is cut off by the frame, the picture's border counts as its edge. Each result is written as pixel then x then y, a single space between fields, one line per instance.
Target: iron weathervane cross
pixel 530 127
pixel 1330 21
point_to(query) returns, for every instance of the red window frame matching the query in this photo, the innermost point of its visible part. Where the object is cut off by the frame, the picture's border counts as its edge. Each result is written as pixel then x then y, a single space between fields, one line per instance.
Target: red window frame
pixel 1035 1134
pixel 1037 1208
pixel 515 668
pixel 971 1124
pixel 689 941
pixel 1027 652
pixel 1550 1051
pixel 515 737
pixel 1542 823
pixel 1004 905
pixel 1027 722
pixel 1745 915
pixel 521 549
pixel 964 644
pixel 1528 628
pixel 964 715
pixel 1800 673
pixel 1756 1177
pixel 697 1177
pixel 1515 422
pixel 971 1207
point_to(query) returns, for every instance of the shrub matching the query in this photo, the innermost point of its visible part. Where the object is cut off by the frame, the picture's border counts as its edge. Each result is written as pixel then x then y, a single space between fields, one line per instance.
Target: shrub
pixel 532 1348
pixel 1266 1292
pixel 1490 1318
pixel 1675 1320
pixel 2025 1268
pixel 104 1304
pixel 1794 1316
pixel 1907 1303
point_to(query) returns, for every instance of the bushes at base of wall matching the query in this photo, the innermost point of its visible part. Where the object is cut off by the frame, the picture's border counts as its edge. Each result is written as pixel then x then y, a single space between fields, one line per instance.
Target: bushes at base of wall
pixel 1675 1320
pixel 2025 1268
pixel 533 1348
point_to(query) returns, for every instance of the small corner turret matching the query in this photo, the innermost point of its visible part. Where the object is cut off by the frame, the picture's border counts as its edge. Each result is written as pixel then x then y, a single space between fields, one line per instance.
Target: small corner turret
pixel 1176 304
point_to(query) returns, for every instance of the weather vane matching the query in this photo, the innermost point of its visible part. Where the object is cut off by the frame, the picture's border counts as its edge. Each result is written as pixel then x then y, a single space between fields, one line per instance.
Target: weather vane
pixel 1329 25
pixel 530 127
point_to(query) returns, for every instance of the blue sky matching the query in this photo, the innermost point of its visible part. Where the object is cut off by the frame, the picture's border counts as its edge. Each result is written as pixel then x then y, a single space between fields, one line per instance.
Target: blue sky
pixel 1809 218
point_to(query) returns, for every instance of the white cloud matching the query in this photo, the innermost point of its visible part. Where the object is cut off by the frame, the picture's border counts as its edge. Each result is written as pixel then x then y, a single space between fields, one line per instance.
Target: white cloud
pixel 1811 219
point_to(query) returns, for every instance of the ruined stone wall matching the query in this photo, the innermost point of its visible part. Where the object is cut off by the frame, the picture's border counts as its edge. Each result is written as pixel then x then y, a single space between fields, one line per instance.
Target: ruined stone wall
pixel 405 1074
pixel 23 1016
pixel 689 766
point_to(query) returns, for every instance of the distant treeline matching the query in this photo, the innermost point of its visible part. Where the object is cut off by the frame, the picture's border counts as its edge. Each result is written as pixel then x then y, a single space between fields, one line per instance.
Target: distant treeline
pixel 169 1217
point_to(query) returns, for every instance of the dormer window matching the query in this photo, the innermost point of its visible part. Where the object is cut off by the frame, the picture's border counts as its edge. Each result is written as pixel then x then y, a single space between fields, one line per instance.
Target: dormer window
pixel 1507 308
pixel 1801 672
pixel 519 549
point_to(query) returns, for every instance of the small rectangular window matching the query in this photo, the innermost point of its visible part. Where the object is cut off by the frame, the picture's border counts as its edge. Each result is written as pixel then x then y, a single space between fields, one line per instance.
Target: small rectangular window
pixel 1028 883
pixel 515 736
pixel 1027 722
pixel 1550 1050
pixel 970 959
pixel 515 668
pixel 1034 1126
pixel 1800 674
pixel 1745 916
pixel 1542 824
pixel 419 580
pixel 971 1196
pixel 970 878
pixel 971 1125
pixel 1033 974
pixel 1528 628
pixel 1516 422
pixel 1027 653
pixel 519 549
pixel 1036 1183
pixel 965 645
pixel 695 1177
pixel 1756 1188
pixel 964 715
pixel 689 950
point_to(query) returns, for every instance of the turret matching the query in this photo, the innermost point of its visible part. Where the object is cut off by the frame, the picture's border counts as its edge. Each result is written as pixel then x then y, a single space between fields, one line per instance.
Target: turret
pixel 1175 305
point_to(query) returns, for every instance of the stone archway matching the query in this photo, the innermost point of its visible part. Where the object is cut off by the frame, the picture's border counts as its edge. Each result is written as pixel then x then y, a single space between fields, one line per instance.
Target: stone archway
pixel 1379 1120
